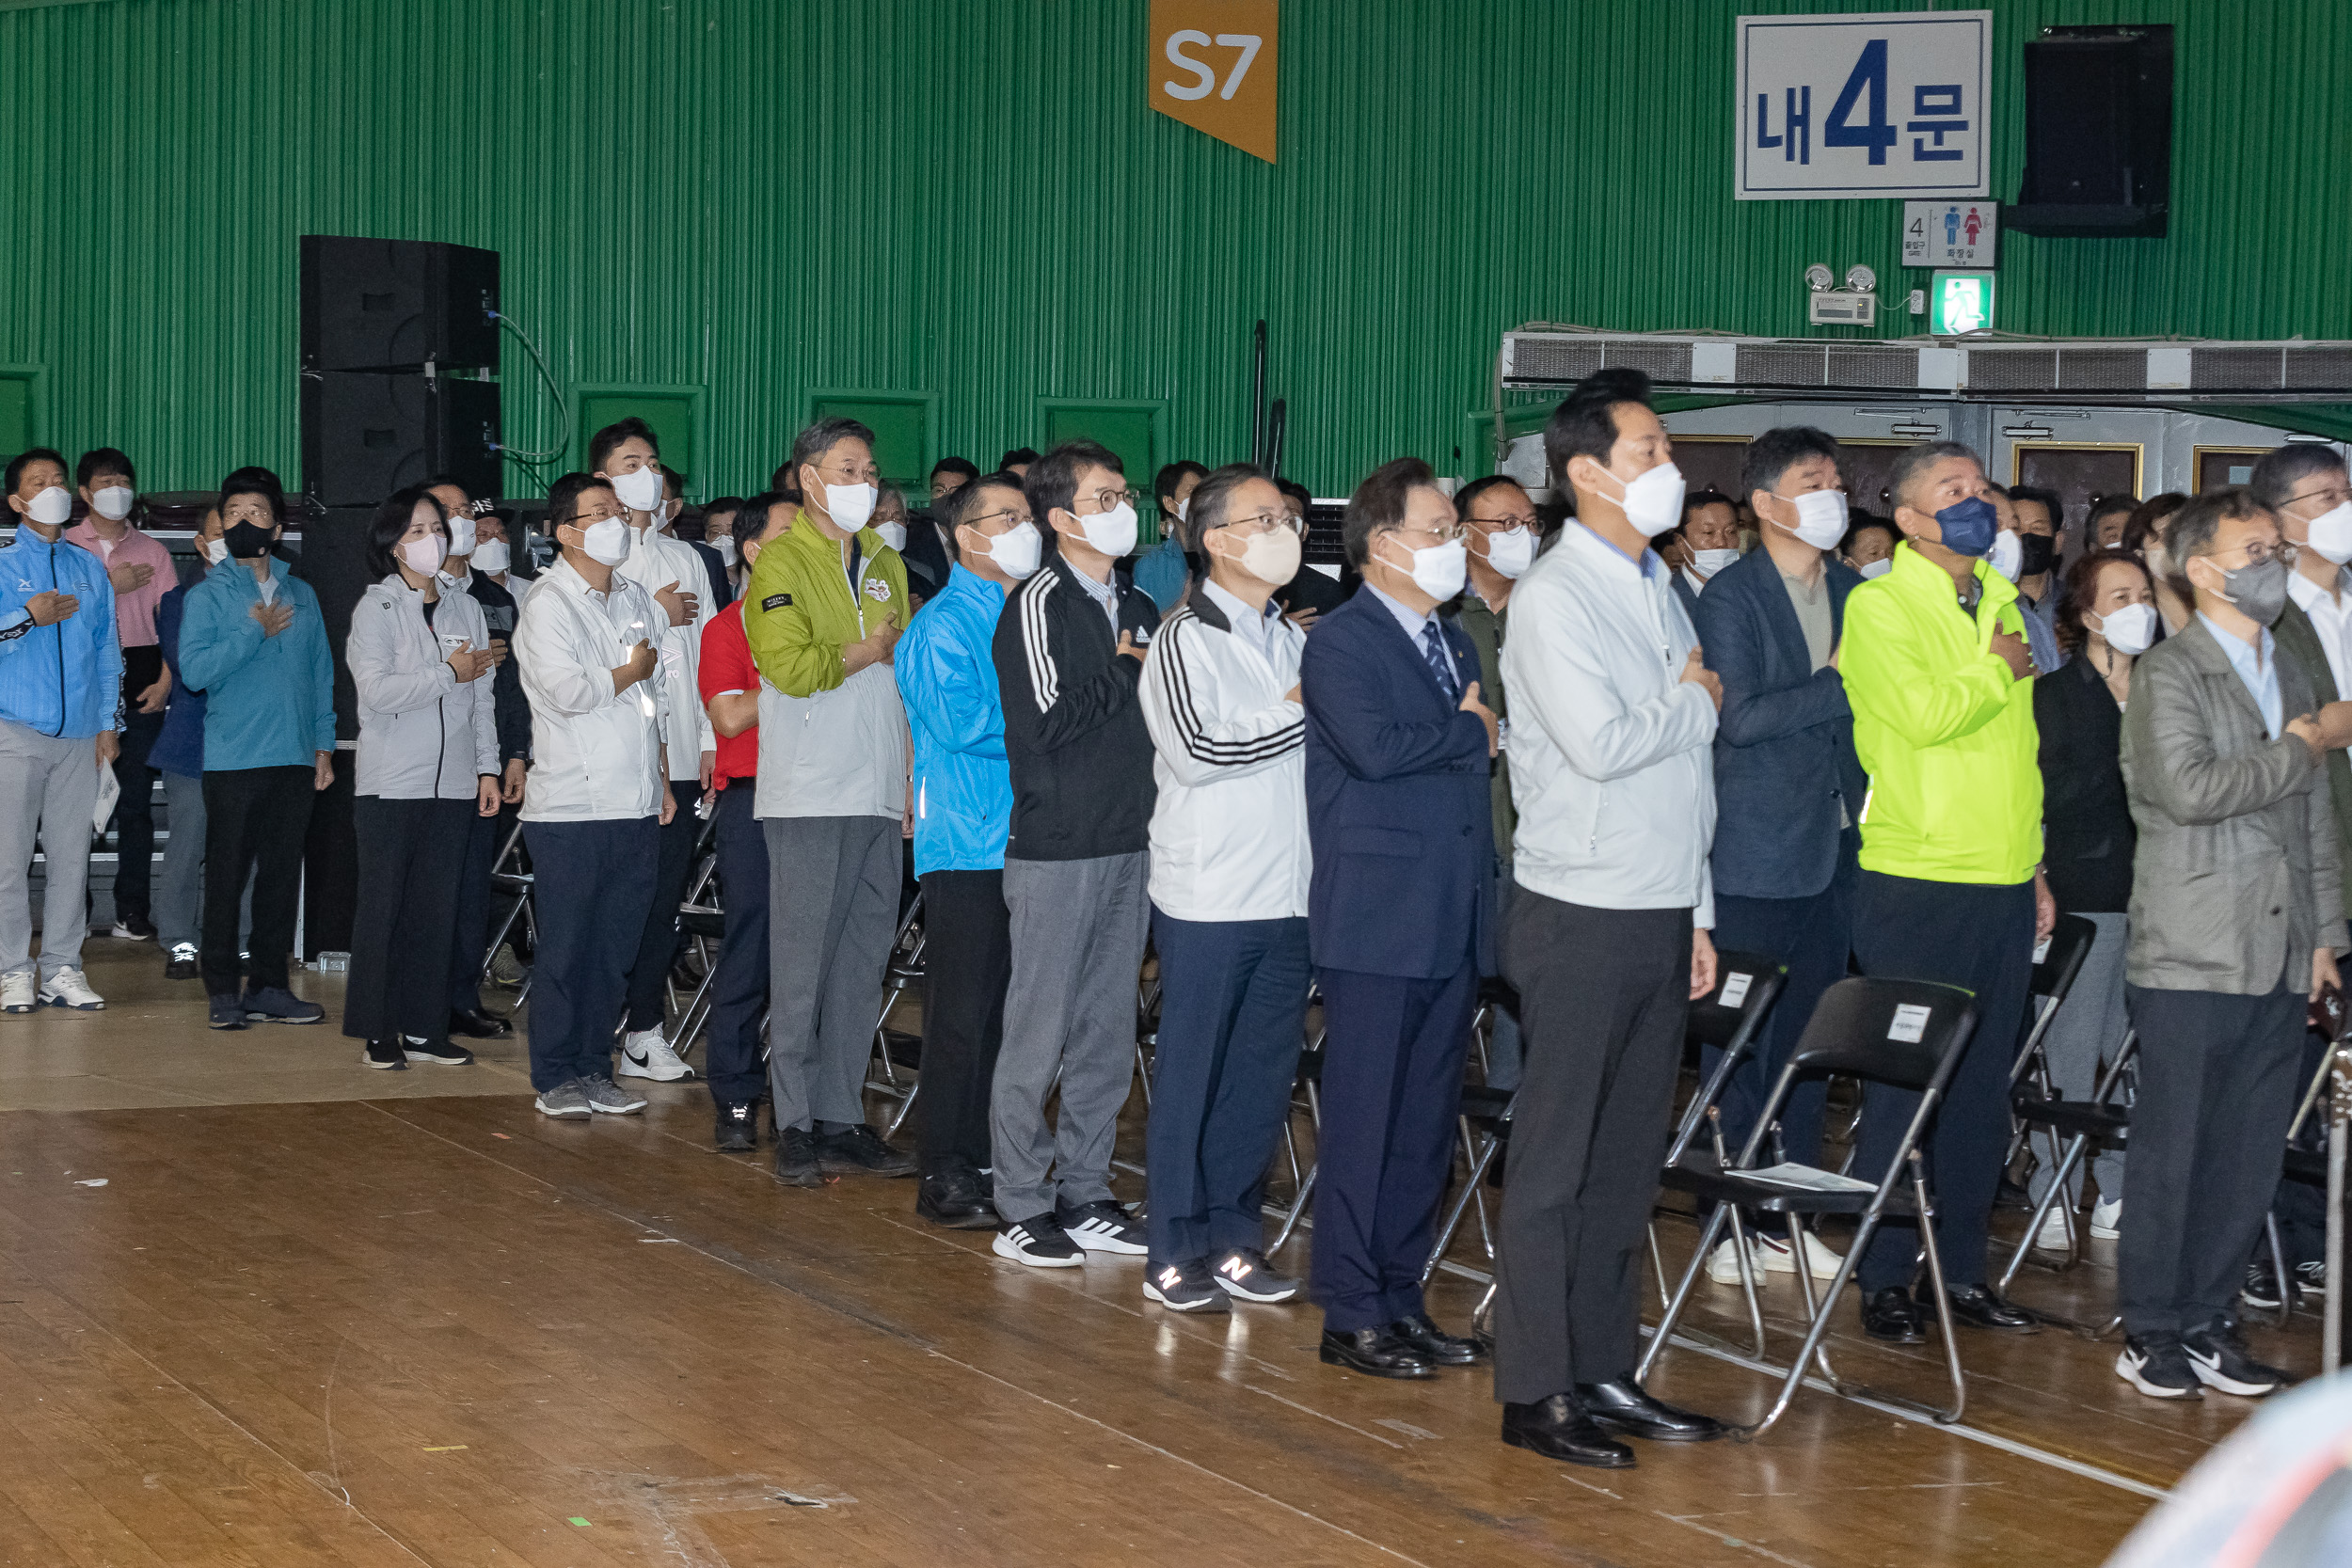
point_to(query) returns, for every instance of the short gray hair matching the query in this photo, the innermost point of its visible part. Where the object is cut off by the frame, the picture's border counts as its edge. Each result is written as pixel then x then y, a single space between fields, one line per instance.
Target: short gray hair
pixel 819 439
pixel 2190 533
pixel 1915 461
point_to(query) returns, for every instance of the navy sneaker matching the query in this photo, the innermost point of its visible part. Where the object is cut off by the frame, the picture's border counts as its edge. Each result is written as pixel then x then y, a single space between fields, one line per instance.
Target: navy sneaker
pixel 277 1004
pixel 228 1013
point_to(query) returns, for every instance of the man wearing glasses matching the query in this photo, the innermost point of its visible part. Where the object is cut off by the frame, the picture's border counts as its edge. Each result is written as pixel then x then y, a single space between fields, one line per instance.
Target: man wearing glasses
pixel 1069 654
pixel 1229 896
pixel 2236 919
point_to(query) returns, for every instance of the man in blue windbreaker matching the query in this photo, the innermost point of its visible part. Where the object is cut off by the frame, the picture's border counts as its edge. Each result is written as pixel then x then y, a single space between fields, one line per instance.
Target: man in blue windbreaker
pixel 962 804
pixel 60 700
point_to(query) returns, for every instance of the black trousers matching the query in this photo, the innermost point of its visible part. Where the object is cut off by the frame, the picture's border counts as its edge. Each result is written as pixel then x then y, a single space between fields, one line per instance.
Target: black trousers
pixel 412 854
pixel 658 941
pixel 1392 1086
pixel 1980 937
pixel 135 813
pixel 590 884
pixel 967 961
pixel 2217 1086
pixel 1604 998
pixel 739 992
pixel 254 822
pixel 471 916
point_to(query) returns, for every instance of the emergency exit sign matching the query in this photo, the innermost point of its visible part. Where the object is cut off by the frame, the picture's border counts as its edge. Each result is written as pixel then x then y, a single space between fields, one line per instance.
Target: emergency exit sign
pixel 1960 302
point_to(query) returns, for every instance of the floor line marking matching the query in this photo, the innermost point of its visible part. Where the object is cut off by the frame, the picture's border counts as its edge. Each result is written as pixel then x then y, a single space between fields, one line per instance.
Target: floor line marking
pixel 1321 1416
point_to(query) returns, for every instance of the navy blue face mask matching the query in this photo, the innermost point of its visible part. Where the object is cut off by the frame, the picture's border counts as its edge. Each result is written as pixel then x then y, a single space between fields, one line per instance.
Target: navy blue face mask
pixel 1969 526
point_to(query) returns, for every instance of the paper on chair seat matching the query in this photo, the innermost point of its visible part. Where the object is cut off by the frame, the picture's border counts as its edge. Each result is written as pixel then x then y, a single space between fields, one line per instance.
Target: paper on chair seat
pixel 1808 1178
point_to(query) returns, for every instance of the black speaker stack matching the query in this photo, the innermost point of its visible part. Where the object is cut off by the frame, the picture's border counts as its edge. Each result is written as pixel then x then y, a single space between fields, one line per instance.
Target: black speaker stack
pixel 385 323
pixel 2098 134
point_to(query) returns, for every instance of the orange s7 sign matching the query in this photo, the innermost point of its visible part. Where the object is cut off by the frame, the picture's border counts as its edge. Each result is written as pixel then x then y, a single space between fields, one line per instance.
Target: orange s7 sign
pixel 1212 67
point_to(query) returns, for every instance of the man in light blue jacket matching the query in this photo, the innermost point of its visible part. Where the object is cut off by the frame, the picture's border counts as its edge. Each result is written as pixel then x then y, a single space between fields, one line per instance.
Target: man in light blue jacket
pixel 252 642
pixel 60 696
pixel 962 804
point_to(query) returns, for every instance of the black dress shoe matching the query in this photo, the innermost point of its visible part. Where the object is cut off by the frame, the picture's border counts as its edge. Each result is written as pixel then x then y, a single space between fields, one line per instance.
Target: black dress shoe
pixel 954 1200
pixel 1979 1308
pixel 1558 1428
pixel 1374 1352
pixel 478 1025
pixel 1623 1406
pixel 738 1129
pixel 1421 1336
pixel 1892 1318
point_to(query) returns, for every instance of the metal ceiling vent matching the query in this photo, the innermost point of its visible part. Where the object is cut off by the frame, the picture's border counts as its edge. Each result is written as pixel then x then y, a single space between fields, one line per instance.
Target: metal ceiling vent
pixel 2013 370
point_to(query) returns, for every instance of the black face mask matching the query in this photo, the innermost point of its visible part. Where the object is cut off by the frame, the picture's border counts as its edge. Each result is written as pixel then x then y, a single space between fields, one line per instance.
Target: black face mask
pixel 247 541
pixel 2035 553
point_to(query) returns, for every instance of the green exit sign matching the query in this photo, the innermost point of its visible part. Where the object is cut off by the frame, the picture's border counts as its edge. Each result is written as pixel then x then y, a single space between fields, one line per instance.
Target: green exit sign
pixel 1960 302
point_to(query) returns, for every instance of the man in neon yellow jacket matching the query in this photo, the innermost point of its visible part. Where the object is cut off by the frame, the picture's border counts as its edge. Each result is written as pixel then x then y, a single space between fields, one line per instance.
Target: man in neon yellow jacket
pixel 1938 674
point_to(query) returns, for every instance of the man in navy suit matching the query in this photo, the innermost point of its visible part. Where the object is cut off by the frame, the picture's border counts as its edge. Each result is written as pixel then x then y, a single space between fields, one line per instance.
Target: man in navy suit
pixel 1398 921
pixel 1788 786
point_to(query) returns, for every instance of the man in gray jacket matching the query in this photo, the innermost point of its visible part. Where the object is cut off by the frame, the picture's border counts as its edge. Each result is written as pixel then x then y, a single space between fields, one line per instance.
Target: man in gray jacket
pixel 2236 919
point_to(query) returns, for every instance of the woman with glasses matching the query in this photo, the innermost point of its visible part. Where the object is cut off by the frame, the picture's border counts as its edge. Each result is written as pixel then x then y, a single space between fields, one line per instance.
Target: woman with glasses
pixel 428 761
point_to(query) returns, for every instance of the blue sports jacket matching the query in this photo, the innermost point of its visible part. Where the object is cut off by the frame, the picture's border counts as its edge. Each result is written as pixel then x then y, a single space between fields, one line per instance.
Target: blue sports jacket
pixel 269 701
pixel 63 680
pixel 947 681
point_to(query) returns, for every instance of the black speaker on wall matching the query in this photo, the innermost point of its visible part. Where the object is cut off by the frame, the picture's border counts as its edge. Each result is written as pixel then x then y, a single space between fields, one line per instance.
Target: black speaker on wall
pixel 366 436
pixel 2098 133
pixel 381 305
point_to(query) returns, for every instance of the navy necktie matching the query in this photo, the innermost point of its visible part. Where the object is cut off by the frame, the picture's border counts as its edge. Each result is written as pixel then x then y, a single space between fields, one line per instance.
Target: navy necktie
pixel 1441 663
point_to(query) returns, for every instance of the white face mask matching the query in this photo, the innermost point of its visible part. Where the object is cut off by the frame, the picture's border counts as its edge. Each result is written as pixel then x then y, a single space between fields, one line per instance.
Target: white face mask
pixel 1272 557
pixel 1653 502
pixel 2330 534
pixel 640 491
pixel 1112 532
pixel 490 555
pixel 1820 517
pixel 461 534
pixel 51 507
pixel 2006 555
pixel 1708 563
pixel 851 505
pixel 216 550
pixel 1877 568
pixel 113 503
pixel 423 556
pixel 1510 551
pixel 893 534
pixel 1183 507
pixel 724 545
pixel 2130 630
pixel 606 542
pixel 1016 551
pixel 1439 570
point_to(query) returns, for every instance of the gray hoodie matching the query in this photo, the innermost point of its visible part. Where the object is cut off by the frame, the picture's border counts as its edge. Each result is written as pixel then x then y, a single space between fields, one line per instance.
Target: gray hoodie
pixel 423 735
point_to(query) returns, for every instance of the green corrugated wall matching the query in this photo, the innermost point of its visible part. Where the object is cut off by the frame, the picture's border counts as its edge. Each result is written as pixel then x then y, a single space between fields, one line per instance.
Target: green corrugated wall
pixel 971 197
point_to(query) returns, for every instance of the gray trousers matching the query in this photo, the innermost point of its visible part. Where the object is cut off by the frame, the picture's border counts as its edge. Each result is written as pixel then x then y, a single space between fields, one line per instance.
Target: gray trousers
pixel 1078 929
pixel 48 790
pixel 833 908
pixel 2088 1030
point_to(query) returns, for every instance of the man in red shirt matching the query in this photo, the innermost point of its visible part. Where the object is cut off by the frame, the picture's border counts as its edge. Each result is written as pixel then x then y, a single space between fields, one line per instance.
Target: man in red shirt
pixel 738 993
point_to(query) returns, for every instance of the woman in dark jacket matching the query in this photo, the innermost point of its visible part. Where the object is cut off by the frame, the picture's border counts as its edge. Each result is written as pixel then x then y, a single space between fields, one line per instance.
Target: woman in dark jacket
pixel 2106 618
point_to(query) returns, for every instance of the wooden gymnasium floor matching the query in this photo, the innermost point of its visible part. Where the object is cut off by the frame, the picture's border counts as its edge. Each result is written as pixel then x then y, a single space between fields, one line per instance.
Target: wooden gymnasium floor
pixel 315 1315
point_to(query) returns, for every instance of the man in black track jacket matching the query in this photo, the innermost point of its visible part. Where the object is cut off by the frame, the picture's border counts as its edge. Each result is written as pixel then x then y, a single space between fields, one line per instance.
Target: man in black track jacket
pixel 1069 652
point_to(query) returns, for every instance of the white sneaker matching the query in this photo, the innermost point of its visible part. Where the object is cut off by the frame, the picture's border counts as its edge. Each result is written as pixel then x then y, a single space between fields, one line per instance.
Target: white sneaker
pixel 2052 1236
pixel 16 992
pixel 2106 1219
pixel 67 989
pixel 645 1054
pixel 1766 1255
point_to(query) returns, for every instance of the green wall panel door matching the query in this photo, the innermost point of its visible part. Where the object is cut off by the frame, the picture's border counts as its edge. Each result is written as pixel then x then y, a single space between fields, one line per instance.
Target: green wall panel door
pixel 674 412
pixel 905 426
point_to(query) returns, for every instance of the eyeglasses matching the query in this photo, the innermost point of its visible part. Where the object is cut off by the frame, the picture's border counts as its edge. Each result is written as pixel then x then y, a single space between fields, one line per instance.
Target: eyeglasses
pixel 2334 495
pixel 1527 522
pixel 1445 536
pixel 1105 500
pixel 2255 553
pixel 1018 518
pixel 863 473
pixel 1267 522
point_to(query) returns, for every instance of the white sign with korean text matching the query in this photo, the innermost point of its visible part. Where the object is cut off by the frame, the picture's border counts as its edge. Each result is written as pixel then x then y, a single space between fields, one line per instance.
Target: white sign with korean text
pixel 1951 234
pixel 1880 105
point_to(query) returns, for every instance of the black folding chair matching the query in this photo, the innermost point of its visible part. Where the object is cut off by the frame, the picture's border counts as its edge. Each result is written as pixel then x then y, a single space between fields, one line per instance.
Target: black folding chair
pixel 2082 1123
pixel 904 972
pixel 508 876
pixel 2304 1165
pixel 1905 1033
pixel 2057 961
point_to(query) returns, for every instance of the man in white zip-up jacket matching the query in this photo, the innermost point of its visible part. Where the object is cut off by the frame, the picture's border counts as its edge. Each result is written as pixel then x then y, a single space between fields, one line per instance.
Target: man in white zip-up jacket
pixel 1230 867
pixel 597 796
pixel 671 574
pixel 1613 729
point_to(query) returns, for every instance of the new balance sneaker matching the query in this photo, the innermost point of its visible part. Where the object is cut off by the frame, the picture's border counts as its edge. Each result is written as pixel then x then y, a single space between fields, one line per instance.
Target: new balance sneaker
pixel 2159 1366
pixel 1244 1271
pixel 860 1151
pixel 134 928
pixel 19 992
pixel 67 989
pixel 1040 1243
pixel 443 1051
pixel 2311 1278
pixel 567 1098
pixel 2107 1220
pixel 1103 1226
pixel 2219 1358
pixel 645 1054
pixel 2262 1285
pixel 182 965
pixel 277 1004
pixel 609 1099
pixel 385 1056
pixel 738 1129
pixel 228 1012
pixel 1186 1287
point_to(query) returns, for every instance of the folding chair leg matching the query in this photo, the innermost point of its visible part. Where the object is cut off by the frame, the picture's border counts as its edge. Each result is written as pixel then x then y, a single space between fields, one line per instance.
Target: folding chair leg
pixel 1658 1265
pixel 1298 1208
pixel 1744 1256
pixel 1682 1293
pixel 2033 1224
pixel 2278 1266
pixel 1481 1158
pixel 900 1116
